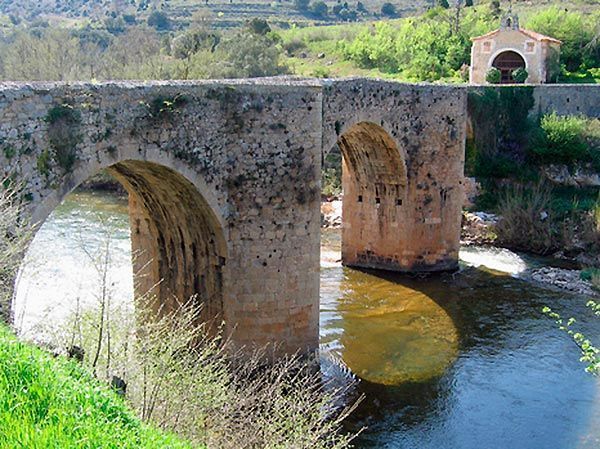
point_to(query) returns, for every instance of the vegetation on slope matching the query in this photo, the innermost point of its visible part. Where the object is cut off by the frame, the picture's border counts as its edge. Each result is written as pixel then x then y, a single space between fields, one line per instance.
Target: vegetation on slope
pixel 436 46
pixel 50 402
pixel 432 47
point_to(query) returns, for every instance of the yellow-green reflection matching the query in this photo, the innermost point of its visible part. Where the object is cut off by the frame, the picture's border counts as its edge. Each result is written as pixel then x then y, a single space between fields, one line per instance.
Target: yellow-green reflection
pixel 392 333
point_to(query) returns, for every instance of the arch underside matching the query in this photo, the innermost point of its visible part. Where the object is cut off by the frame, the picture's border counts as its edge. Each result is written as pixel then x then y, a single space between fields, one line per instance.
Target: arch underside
pixel 507 62
pixel 374 182
pixel 178 247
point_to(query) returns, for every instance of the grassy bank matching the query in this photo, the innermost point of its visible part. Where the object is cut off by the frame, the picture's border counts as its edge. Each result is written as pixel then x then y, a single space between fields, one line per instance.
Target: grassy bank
pixel 48 402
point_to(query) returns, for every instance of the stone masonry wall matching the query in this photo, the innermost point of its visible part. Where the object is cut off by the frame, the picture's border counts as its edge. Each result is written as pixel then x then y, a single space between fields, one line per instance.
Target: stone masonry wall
pixel 224 177
pixel 403 148
pixel 224 181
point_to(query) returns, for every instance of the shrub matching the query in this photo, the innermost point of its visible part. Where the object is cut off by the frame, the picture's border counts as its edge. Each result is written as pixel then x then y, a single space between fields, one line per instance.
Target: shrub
pixel 527 222
pixel 319 9
pixel 520 75
pixel 301 5
pixel 14 236
pixel 183 376
pixel 562 140
pixel 493 76
pixel 388 9
pixel 159 21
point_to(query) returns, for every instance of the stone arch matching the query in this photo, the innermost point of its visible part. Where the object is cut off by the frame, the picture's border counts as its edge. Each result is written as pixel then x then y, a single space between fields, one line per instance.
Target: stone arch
pixel 508 60
pixel 375 185
pixel 178 239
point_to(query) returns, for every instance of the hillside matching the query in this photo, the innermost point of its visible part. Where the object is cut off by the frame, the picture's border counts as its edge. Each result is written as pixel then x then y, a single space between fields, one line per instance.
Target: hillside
pixel 428 48
pixel 48 402
pixel 222 13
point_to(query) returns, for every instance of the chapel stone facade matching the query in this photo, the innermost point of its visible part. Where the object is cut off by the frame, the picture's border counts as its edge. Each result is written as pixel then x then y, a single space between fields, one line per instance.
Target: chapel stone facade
pixel 511 47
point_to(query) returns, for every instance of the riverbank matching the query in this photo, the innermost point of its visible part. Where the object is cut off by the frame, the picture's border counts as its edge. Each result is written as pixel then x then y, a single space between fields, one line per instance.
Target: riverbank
pixel 48 401
pixel 478 229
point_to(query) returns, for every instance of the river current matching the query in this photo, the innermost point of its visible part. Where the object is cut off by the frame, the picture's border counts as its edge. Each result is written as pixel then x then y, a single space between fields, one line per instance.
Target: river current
pixel 456 361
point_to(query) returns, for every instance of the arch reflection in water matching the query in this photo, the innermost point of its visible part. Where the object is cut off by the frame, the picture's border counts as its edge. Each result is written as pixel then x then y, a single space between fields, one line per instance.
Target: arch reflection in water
pixel 388 333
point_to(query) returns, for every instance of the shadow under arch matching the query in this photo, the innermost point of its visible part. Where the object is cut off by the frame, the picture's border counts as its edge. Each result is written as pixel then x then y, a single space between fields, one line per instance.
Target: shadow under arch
pixel 374 182
pixel 178 242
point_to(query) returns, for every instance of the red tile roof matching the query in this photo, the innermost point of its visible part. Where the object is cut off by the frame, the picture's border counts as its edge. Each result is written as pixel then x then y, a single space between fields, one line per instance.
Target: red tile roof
pixel 532 34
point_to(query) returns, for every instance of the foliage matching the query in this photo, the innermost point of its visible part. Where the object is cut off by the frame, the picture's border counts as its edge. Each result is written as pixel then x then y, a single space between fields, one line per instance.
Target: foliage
pixel 159 21
pixel 301 5
pixel 183 377
pixel 63 134
pixel 319 9
pixel 388 9
pixel 580 45
pixel 42 163
pixel 259 26
pixel 493 76
pixel 425 48
pixel 565 140
pixel 502 132
pixel 163 107
pixel 14 237
pixel 527 221
pixel 520 75
pixel 590 354
pixel 48 402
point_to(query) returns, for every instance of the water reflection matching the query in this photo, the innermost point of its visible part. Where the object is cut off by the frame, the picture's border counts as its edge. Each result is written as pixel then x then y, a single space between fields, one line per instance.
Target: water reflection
pixel 390 334
pixel 503 376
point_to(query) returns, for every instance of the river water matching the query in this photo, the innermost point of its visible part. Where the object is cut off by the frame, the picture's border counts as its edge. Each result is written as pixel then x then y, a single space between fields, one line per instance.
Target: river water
pixel 463 361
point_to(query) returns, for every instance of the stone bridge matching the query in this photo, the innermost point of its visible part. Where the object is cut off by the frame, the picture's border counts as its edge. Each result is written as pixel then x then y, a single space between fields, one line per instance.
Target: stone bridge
pixel 224 183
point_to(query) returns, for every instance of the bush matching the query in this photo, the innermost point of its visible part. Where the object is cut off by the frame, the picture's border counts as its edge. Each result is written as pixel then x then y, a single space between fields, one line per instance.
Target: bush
pixel 319 9
pixel 48 402
pixel 493 76
pixel 301 5
pixel 388 9
pixel 159 21
pixel 527 222
pixel 520 75
pixel 14 236
pixel 562 141
pixel 185 378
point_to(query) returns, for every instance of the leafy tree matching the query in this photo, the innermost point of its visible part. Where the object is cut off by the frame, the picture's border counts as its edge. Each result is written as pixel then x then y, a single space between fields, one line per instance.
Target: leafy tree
pixel 360 7
pixel 159 21
pixel 443 3
pixel 468 3
pixel 495 8
pixel 129 19
pixel 301 5
pixel 388 9
pixel 259 26
pixel 319 9
pixel 580 45
pixel 114 25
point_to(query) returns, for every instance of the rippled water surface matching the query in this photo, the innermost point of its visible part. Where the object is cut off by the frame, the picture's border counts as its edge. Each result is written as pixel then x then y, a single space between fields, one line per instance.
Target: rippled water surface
pixel 453 361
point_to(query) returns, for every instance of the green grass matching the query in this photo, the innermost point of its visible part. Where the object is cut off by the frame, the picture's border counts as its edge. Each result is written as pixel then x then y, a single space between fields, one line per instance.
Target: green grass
pixel 48 402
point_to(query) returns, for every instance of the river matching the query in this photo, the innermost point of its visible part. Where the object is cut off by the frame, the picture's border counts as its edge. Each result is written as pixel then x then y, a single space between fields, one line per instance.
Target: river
pixel 456 361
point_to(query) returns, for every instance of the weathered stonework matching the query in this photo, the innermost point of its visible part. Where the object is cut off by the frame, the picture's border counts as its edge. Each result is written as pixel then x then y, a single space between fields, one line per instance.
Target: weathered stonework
pixel 224 183
pixel 224 187
pixel 403 151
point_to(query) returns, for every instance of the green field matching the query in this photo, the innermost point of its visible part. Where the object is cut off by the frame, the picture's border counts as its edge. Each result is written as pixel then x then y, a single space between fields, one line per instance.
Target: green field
pixel 49 402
